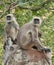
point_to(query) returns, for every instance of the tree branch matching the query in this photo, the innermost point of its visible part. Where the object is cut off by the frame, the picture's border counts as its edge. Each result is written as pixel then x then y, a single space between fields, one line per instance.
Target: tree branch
pixel 42 5
pixel 5 11
pixel 52 8
pixel 33 8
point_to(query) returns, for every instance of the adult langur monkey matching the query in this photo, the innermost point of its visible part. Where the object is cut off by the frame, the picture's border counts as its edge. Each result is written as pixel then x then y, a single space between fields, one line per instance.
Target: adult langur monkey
pixel 11 29
pixel 28 35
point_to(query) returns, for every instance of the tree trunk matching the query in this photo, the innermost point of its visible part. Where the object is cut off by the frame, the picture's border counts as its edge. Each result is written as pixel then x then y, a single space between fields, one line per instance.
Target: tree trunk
pixel 28 57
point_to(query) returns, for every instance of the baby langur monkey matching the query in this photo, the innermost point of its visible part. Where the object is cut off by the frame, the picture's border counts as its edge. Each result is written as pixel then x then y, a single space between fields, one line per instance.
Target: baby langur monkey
pixel 11 29
pixel 28 35
pixel 8 51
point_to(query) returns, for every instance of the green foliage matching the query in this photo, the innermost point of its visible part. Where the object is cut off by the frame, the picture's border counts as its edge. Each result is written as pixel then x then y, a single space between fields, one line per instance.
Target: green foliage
pixel 23 16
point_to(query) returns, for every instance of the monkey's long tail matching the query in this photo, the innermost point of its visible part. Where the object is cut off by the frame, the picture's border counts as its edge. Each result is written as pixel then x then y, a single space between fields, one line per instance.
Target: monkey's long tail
pixel 47 59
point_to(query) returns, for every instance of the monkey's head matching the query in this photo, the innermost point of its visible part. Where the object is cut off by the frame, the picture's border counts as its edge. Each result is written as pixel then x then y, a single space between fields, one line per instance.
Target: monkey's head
pixel 9 18
pixel 37 21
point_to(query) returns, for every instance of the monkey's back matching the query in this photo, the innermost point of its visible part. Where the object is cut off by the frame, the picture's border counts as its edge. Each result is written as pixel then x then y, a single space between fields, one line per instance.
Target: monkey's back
pixel 25 28
pixel 24 37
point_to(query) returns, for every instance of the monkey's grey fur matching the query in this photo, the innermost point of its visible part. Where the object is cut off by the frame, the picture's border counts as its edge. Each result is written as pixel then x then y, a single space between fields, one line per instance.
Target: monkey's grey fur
pixel 11 28
pixel 28 35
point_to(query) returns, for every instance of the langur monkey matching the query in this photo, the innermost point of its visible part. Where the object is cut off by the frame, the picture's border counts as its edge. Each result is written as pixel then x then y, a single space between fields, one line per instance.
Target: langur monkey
pixel 11 28
pixel 28 35
pixel 8 50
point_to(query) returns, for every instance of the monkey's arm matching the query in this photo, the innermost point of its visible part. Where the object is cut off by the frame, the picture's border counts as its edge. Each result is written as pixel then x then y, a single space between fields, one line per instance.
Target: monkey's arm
pixel 16 25
pixel 34 41
pixel 5 33
pixel 5 38
pixel 37 40
pixel 39 34
pixel 38 44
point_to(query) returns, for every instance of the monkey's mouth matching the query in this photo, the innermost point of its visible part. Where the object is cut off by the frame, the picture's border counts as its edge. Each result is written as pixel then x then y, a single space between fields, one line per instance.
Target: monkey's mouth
pixel 9 22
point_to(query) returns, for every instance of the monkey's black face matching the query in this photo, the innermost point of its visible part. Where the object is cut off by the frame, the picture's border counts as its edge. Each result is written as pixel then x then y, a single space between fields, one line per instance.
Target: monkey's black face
pixel 36 21
pixel 8 17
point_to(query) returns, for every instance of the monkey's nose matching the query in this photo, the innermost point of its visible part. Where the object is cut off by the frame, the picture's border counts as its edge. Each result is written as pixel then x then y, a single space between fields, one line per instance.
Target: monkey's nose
pixel 36 21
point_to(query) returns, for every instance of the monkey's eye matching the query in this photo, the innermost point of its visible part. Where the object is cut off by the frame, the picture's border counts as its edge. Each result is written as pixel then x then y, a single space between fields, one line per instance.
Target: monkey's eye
pixel 8 17
pixel 36 21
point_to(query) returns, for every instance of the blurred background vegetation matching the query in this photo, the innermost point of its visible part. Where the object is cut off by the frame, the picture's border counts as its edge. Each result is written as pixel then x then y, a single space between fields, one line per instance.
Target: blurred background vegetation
pixel 24 10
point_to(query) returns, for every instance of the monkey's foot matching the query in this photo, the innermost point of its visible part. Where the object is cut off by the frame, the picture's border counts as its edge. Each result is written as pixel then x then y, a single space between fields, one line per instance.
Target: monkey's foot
pixel 46 50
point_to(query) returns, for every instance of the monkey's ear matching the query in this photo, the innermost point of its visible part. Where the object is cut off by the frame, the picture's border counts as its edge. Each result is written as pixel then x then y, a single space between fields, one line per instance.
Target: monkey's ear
pixel 39 34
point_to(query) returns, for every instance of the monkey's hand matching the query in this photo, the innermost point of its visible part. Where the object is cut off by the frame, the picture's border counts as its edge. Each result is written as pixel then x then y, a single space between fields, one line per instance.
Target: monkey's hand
pixel 46 50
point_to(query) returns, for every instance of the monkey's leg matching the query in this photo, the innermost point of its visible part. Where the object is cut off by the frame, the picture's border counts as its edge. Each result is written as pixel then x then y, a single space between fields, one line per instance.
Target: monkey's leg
pixel 14 41
pixel 40 47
